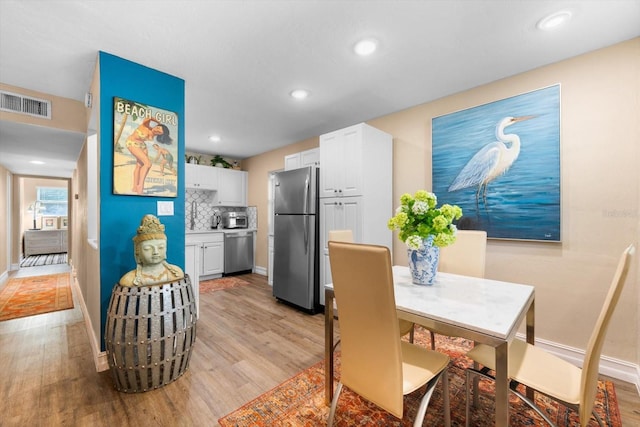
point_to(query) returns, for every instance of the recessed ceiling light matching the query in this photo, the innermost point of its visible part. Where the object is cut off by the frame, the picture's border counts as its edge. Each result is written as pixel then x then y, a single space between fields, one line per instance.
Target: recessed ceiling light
pixel 553 21
pixel 36 162
pixel 299 94
pixel 365 47
pixel 214 138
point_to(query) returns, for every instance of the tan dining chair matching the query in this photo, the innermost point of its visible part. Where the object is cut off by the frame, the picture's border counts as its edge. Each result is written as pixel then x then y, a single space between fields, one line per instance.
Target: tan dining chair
pixel 376 363
pixel 548 374
pixel 406 327
pixel 467 257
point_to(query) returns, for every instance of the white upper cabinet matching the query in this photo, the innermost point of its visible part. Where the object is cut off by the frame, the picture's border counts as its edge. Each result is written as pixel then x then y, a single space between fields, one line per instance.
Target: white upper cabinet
pixel 200 176
pixel 310 157
pixel 232 188
pixel 354 159
pixel 230 185
pixel 302 159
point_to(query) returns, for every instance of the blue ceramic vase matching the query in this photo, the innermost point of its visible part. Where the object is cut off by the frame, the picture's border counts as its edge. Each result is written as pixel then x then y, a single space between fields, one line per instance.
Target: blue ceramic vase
pixel 423 262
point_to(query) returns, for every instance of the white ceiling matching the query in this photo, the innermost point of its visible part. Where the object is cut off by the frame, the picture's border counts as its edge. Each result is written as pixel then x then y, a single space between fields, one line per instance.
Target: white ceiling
pixel 240 59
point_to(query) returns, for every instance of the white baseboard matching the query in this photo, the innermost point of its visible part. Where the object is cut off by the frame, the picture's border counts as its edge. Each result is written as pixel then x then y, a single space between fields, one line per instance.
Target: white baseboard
pixel 260 270
pixel 609 366
pixel 99 357
pixel 4 277
pixel 102 364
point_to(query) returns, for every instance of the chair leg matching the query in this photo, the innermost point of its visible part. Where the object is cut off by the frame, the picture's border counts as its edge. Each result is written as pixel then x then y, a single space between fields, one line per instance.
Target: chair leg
pixel 413 328
pixel 424 403
pixel 334 404
pixel 433 340
pixel 512 388
pixel 467 412
pixel 445 398
pixel 532 405
pixel 476 381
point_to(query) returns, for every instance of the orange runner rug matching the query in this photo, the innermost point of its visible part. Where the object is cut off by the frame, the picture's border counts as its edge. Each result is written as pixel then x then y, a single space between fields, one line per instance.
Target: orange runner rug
pixel 299 401
pixel 220 284
pixel 32 295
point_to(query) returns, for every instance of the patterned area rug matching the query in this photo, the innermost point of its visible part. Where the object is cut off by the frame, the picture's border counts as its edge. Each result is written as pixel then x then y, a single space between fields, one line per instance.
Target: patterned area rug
pixel 33 295
pixel 47 259
pixel 299 401
pixel 207 286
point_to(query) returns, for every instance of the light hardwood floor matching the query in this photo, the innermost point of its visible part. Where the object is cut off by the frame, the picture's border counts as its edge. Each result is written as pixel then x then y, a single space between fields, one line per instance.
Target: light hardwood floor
pixel 247 343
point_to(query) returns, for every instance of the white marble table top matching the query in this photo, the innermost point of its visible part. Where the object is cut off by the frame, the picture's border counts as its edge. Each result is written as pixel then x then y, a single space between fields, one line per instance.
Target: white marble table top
pixel 490 307
pixel 487 306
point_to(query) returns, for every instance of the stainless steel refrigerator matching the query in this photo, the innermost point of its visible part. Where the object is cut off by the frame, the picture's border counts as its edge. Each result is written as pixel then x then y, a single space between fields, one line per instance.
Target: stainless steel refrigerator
pixel 295 240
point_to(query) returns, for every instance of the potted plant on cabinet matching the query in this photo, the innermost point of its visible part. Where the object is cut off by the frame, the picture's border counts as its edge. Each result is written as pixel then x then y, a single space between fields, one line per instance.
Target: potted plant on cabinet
pixel 220 162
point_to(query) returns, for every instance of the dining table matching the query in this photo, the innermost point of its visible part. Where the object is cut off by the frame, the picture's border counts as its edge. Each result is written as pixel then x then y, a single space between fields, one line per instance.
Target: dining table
pixel 483 310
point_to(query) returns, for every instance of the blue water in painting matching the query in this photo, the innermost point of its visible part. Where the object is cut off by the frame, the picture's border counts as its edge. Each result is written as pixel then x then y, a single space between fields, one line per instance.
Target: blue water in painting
pixel 524 203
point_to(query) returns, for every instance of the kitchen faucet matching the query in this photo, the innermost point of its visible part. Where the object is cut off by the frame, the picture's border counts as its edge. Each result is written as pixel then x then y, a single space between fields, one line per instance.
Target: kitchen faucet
pixel 194 213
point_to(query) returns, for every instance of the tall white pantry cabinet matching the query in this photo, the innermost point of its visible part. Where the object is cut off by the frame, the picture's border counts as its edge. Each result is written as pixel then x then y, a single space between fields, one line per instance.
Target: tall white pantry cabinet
pixel 356 189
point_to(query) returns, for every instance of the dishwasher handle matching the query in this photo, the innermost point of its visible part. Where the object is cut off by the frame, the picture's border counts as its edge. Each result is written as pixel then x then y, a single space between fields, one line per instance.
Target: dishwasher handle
pixel 235 235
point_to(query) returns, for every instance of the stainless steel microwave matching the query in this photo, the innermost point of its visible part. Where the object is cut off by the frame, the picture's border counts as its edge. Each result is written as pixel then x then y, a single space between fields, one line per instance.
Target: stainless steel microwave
pixel 233 219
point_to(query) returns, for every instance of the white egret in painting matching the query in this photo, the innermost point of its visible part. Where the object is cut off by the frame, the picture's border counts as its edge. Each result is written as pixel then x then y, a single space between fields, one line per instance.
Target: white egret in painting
pixel 492 161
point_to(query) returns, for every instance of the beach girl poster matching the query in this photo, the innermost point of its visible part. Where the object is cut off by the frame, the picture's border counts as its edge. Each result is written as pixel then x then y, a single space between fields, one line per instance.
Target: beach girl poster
pixel 145 150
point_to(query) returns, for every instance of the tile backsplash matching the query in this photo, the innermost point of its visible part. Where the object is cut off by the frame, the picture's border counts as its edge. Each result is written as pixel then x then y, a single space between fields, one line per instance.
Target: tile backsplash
pixel 252 215
pixel 202 200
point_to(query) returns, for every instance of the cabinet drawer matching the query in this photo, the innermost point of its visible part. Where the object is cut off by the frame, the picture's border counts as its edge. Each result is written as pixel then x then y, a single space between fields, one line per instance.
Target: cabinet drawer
pixel 45 242
pixel 195 238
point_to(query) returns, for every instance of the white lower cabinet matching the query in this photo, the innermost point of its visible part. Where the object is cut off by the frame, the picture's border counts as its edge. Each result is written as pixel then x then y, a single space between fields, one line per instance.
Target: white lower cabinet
pixel 210 253
pixel 192 268
pixel 337 213
pixel 213 256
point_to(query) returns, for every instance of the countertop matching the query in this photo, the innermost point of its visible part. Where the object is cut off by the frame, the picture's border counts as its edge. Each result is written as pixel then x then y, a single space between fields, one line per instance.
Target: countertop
pixel 220 230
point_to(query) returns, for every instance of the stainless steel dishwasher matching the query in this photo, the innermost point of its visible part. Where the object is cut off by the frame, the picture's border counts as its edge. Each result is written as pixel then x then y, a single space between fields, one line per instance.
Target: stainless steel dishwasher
pixel 238 251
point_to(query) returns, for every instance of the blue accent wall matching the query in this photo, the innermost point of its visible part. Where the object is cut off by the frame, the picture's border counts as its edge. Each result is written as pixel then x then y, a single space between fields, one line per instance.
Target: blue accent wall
pixel 120 215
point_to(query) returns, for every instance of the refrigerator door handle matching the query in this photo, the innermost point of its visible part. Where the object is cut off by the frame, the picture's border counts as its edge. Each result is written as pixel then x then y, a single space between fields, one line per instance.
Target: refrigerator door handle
pixel 306 234
pixel 306 214
pixel 306 195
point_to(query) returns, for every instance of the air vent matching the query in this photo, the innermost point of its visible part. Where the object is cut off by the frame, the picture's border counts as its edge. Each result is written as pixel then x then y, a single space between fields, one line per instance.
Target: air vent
pixel 15 103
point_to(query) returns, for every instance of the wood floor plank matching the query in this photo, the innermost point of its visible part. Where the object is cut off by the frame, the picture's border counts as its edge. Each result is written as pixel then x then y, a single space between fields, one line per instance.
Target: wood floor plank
pixel 247 343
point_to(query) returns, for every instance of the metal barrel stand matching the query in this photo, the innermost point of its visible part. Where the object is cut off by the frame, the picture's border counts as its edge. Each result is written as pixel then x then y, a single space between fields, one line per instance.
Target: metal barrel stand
pixel 150 334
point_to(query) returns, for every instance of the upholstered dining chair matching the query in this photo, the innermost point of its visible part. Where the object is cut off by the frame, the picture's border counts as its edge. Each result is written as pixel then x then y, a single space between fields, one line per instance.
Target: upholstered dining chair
pixel 467 257
pixel 376 363
pixel 548 374
pixel 406 327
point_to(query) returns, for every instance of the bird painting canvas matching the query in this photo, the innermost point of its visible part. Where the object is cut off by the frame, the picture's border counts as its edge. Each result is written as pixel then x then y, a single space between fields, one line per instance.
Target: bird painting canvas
pixel 500 162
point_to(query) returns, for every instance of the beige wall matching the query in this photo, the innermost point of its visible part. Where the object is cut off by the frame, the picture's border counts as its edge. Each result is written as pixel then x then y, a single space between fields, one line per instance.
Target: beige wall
pixel 86 259
pixel 5 177
pixel 600 142
pixel 66 114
